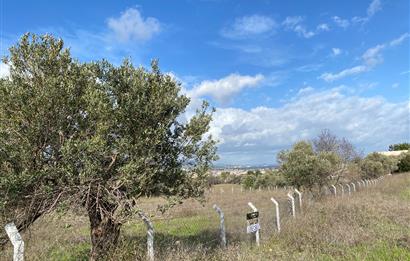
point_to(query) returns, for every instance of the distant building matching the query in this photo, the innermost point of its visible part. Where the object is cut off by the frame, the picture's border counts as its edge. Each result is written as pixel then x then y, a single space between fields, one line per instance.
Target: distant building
pixel 393 153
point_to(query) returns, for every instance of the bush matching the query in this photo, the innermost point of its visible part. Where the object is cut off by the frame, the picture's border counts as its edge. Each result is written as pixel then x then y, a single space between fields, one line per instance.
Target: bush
pixel 376 165
pixel 257 179
pixel 404 163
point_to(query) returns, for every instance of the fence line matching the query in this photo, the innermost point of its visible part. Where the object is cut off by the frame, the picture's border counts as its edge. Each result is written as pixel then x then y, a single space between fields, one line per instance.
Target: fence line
pixel 272 219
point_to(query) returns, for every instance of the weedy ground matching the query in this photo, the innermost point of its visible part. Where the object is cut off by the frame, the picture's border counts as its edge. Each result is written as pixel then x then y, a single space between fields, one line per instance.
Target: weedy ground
pixel 372 224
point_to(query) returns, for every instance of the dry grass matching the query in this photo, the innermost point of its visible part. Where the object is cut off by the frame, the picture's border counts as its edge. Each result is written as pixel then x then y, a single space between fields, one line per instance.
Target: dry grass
pixel 373 224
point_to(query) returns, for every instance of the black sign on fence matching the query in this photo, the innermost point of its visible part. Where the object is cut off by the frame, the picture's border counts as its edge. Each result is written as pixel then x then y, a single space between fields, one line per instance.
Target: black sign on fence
pixel 252 215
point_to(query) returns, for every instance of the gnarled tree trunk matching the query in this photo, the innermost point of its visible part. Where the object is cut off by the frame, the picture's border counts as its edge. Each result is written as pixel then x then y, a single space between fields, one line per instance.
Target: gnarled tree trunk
pixel 104 234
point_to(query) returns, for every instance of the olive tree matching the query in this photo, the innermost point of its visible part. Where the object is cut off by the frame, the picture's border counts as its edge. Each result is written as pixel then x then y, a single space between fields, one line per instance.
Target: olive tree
pixel 303 167
pixel 94 136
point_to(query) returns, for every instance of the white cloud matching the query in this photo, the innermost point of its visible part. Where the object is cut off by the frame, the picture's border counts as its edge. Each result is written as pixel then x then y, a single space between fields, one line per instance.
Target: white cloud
pixel 254 136
pixel 341 22
pixel 224 89
pixel 248 26
pixel 4 70
pixel 330 77
pixel 336 51
pixel 374 7
pixel 294 23
pixel 371 57
pixel 323 27
pixel 395 85
pixel 400 39
pixel 131 26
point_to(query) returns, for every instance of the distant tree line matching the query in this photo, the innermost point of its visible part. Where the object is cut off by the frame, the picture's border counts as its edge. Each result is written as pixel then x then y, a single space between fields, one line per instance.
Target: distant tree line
pixel 322 161
pixel 399 146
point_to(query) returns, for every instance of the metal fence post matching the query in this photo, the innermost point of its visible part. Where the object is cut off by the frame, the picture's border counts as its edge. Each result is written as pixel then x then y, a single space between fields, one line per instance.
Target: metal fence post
pixel 222 233
pixel 257 235
pixel 16 240
pixel 354 187
pixel 150 235
pixel 277 213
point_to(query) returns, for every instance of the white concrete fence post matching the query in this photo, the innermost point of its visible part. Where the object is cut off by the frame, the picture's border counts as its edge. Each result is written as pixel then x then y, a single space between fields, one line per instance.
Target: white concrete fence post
pixel 16 241
pixel 343 190
pixel 348 189
pixel 354 187
pixel 300 199
pixel 291 200
pixel 277 213
pixel 222 233
pixel 334 190
pixel 150 236
pixel 257 235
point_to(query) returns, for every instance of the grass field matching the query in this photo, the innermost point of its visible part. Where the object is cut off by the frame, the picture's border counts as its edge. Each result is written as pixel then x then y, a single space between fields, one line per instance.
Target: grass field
pixel 372 224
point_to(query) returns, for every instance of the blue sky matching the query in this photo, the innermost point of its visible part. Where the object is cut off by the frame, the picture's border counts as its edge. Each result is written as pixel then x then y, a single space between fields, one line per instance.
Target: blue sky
pixel 276 71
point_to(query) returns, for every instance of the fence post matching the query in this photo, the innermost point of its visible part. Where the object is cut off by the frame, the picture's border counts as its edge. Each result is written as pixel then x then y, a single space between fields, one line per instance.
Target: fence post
pixel 257 235
pixel 16 240
pixel 292 204
pixel 150 235
pixel 348 189
pixel 354 187
pixel 300 199
pixel 358 185
pixel 343 190
pixel 222 233
pixel 277 213
pixel 334 190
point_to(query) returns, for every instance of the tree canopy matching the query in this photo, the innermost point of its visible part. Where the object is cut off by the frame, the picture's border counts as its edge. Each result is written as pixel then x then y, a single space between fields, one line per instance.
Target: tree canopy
pixel 96 136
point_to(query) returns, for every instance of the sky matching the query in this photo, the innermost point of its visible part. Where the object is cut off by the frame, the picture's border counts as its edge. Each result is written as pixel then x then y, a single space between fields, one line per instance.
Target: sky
pixel 276 71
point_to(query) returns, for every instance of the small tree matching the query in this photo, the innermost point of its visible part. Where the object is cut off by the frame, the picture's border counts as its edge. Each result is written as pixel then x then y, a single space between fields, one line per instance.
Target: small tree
pixel 302 167
pixel 96 136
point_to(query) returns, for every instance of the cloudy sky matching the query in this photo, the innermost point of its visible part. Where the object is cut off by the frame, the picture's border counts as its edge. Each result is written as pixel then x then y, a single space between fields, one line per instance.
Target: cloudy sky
pixel 276 71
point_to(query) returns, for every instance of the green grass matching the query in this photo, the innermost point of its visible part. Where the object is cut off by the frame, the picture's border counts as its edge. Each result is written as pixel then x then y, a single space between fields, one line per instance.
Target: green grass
pixel 381 251
pixel 78 252
pixel 405 194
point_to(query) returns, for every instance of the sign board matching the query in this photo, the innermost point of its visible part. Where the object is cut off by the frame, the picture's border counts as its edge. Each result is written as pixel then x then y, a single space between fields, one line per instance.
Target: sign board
pixel 252 220
pixel 252 215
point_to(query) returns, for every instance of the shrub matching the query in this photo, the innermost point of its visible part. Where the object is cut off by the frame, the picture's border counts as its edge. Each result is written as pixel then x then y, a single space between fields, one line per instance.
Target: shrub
pixel 404 163
pixel 376 165
pixel 257 179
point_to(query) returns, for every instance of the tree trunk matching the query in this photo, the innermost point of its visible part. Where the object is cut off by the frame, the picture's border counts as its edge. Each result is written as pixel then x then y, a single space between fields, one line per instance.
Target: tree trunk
pixel 104 234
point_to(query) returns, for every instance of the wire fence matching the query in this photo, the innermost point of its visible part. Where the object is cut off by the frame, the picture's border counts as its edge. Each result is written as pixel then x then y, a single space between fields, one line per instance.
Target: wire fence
pixel 198 225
